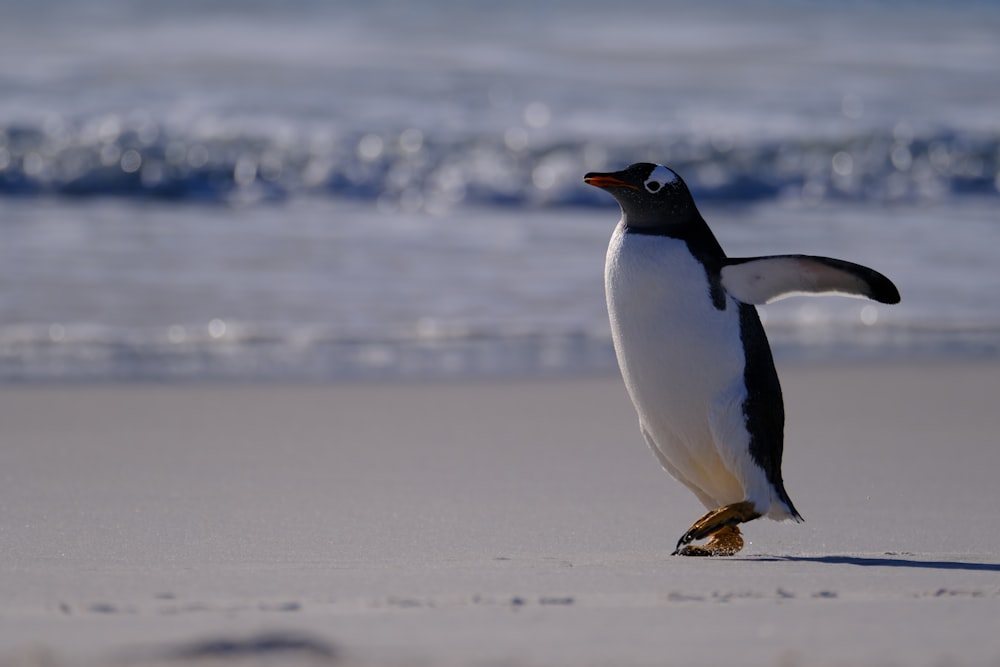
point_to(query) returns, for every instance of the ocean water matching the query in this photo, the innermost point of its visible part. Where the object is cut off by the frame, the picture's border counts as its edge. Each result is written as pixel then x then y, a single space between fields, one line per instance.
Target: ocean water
pixel 264 190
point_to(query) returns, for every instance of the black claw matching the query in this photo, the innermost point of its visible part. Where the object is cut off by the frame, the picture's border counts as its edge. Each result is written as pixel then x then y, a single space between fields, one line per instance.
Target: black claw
pixel 687 538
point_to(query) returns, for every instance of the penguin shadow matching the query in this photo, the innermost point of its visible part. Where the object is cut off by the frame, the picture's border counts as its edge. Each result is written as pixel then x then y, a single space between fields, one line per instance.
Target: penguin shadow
pixel 890 561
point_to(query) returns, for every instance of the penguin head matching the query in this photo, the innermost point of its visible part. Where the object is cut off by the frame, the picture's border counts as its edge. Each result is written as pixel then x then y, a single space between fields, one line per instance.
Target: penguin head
pixel 650 195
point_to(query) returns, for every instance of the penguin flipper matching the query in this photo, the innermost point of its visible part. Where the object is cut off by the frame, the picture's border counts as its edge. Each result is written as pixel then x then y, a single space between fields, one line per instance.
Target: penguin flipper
pixel 759 280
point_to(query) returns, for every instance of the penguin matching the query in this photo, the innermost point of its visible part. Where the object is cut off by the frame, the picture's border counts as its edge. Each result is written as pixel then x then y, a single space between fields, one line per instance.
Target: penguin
pixel 694 357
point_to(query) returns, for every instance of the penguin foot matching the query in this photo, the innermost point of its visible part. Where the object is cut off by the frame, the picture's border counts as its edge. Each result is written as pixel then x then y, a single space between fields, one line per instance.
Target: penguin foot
pixel 726 542
pixel 712 523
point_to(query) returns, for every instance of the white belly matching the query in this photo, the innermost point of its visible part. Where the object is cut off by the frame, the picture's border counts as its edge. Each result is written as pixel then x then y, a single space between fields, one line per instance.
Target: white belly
pixel 682 361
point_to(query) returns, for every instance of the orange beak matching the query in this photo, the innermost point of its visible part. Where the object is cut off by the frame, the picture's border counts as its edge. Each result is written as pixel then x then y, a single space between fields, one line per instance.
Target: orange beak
pixel 606 181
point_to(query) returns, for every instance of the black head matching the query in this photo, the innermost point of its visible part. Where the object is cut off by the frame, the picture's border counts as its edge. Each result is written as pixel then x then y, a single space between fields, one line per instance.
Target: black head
pixel 651 196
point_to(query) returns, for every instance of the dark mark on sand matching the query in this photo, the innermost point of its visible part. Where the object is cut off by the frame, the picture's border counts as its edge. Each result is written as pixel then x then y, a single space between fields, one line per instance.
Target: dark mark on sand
pixel 267 644
pixel 559 601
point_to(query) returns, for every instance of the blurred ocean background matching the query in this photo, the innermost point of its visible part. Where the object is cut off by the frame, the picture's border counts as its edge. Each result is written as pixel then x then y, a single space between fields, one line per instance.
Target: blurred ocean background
pixel 313 190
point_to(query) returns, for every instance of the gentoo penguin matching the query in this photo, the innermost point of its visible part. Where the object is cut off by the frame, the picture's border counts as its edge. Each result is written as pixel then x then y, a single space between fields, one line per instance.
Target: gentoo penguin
pixel 693 353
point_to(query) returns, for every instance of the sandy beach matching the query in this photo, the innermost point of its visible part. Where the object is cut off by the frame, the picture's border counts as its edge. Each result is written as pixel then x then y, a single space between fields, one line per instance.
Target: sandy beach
pixel 490 523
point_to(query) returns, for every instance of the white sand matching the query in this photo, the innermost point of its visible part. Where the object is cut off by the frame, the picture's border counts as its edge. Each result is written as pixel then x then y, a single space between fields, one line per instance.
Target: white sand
pixel 492 524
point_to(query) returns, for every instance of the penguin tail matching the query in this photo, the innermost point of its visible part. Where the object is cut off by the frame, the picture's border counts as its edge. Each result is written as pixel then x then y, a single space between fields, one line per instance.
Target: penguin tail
pixel 785 508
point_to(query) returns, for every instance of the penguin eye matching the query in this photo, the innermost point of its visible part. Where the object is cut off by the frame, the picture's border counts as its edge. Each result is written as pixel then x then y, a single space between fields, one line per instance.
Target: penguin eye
pixel 653 186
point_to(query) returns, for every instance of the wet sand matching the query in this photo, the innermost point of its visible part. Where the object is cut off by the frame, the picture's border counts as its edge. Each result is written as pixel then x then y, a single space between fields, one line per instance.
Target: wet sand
pixel 493 523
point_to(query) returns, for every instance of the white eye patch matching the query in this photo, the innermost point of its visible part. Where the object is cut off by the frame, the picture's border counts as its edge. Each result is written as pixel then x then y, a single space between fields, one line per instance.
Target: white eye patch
pixel 659 177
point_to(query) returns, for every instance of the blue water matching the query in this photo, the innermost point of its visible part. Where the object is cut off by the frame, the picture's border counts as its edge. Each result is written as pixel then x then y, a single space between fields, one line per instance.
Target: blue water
pixel 311 190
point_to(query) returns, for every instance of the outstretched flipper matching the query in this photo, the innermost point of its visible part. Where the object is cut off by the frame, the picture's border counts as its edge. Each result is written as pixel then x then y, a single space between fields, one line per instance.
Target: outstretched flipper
pixel 759 280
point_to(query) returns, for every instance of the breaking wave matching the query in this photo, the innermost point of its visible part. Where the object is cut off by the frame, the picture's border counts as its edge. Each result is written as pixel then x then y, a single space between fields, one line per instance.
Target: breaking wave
pixel 408 169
